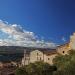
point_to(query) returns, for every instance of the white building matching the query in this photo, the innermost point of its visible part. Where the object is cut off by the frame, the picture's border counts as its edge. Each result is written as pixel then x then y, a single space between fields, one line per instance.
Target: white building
pixel 39 55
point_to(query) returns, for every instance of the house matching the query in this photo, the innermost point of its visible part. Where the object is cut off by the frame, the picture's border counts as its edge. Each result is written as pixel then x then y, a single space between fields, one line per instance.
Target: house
pixel 43 55
pixel 39 55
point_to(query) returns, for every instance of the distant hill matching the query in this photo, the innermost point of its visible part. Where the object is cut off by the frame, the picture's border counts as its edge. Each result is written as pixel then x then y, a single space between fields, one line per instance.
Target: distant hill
pixel 17 49
pixel 11 53
pixel 11 49
pixel 15 53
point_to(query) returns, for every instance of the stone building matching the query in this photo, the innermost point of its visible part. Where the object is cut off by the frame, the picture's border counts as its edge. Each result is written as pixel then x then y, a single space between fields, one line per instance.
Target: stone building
pixel 63 49
pixel 72 41
pixel 42 55
pixel 26 58
pixel 47 55
pixel 39 55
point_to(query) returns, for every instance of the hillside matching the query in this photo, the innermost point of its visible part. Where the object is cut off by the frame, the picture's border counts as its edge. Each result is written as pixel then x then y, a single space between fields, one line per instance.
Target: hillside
pixel 11 53
pixel 11 49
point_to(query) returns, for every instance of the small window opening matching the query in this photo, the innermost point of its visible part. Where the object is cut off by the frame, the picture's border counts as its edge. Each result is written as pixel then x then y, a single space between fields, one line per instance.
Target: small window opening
pixel 37 53
pixel 40 58
pixel 48 58
pixel 63 51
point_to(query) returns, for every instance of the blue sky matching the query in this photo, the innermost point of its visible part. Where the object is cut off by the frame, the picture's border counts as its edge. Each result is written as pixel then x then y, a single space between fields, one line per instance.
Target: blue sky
pixel 50 19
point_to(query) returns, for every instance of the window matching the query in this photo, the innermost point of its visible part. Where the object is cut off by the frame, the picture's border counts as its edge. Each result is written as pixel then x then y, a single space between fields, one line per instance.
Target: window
pixel 48 58
pixel 40 58
pixel 63 51
pixel 37 53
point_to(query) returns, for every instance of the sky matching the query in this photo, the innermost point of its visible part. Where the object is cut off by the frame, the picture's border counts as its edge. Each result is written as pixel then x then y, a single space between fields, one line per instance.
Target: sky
pixel 50 20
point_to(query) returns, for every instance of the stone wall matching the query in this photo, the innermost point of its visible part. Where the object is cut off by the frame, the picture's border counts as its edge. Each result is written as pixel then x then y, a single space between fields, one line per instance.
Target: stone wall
pixel 72 41
pixel 63 49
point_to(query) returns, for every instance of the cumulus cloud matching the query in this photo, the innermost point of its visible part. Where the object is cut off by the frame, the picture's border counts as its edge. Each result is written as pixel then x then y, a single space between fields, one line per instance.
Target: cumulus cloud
pixel 20 37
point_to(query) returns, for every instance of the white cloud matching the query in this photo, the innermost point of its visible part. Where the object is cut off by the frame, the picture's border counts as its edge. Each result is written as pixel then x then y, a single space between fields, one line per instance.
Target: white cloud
pixel 19 37
pixel 63 39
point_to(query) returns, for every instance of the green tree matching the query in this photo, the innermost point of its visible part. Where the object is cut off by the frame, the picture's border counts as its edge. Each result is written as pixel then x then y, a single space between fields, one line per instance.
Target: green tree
pixel 65 64
pixel 69 70
pixel 37 68
pixel 40 68
pixel 21 71
pixel 61 61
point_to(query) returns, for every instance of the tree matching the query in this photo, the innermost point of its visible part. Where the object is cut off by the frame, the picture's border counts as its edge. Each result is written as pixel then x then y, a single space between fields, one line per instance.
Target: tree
pixel 61 61
pixel 65 64
pixel 40 68
pixel 21 71
pixel 37 68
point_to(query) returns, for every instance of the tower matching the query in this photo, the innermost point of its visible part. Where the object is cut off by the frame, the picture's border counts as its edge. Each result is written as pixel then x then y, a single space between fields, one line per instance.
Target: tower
pixel 72 41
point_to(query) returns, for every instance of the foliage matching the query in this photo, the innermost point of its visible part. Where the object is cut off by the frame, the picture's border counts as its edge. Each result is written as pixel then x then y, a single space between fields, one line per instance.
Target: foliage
pixel 21 71
pixel 69 70
pixel 62 61
pixel 37 68
pixel 65 64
